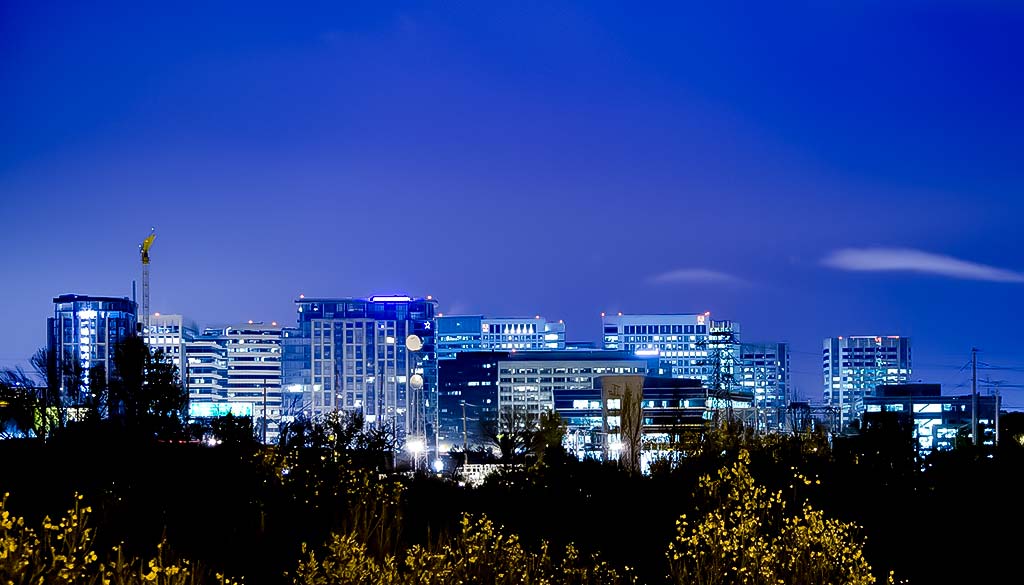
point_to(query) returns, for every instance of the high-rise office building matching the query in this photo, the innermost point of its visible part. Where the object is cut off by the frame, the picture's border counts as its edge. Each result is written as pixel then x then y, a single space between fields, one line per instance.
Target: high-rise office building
pixel 686 345
pixel 478 333
pixel 854 366
pixel 170 333
pixel 84 333
pixel 373 356
pixel 764 372
pixel 237 370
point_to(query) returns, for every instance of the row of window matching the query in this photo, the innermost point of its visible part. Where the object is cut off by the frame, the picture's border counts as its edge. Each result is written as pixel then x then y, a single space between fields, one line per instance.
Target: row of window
pixel 665 329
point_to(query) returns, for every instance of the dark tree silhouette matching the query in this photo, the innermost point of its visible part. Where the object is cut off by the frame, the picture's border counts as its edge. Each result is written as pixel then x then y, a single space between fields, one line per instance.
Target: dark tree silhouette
pixel 20 403
pixel 145 393
pixel 512 432
pixel 234 430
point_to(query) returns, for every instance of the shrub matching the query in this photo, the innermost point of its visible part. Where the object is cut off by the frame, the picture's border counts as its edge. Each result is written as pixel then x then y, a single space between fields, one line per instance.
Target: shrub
pixel 745 536
pixel 64 552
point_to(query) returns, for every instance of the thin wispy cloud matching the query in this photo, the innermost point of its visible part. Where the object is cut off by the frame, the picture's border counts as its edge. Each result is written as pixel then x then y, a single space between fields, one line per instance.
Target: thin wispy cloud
pixel 695 276
pixel 910 260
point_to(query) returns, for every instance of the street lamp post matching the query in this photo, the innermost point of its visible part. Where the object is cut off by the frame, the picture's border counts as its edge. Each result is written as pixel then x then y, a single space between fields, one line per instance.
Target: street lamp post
pixel 415 447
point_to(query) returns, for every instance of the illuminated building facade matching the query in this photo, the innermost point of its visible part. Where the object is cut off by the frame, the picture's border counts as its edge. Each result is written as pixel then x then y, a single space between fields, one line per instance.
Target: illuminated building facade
pixel 686 345
pixel 528 382
pixel 854 366
pixel 169 333
pixel 477 333
pixel 83 334
pixel 360 360
pixel 935 421
pixel 669 407
pixel 764 373
pixel 296 375
pixel 237 370
pixel 467 394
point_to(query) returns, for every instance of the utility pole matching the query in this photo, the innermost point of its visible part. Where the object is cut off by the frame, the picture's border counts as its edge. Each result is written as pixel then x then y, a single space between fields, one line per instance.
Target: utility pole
pixel 998 400
pixel 974 396
pixel 465 442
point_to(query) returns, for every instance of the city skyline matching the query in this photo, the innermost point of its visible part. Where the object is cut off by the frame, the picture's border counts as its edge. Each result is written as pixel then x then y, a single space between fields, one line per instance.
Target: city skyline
pixel 848 171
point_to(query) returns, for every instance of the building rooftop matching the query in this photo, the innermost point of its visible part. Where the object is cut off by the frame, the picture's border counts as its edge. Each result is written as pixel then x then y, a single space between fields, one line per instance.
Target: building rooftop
pixel 71 298
pixel 571 355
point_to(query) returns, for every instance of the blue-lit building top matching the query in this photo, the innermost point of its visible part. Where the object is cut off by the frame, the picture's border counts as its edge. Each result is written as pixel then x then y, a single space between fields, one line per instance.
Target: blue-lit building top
pixel 85 330
pixel 686 345
pixel 461 333
pixel 374 356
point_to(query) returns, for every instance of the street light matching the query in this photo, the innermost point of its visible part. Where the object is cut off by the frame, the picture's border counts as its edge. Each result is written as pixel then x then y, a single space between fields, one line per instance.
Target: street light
pixel 415 447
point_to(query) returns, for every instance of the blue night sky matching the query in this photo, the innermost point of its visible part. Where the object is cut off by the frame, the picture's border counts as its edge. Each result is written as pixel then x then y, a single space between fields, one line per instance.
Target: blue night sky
pixel 807 169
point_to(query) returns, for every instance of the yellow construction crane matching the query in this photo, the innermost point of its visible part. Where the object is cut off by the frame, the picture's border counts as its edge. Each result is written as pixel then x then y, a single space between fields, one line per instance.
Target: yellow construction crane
pixel 144 252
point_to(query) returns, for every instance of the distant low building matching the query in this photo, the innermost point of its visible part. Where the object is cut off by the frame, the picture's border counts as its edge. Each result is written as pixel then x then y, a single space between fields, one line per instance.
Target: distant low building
pixel 937 420
pixel 669 407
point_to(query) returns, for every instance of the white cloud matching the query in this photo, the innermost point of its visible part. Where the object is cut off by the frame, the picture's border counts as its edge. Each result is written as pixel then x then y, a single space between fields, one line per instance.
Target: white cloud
pixel 909 260
pixel 694 275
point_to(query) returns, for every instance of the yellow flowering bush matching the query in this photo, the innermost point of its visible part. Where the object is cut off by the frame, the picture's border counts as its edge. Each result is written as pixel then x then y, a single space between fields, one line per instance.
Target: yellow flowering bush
pixel 746 537
pixel 63 551
pixel 480 553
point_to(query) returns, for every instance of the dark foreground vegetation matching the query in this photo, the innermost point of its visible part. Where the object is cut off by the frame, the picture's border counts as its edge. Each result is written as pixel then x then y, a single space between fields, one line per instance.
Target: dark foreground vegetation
pixel 320 508
pixel 328 505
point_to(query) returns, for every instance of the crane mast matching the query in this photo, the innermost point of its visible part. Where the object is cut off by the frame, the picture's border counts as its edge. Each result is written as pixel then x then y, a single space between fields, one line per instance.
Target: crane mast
pixel 144 253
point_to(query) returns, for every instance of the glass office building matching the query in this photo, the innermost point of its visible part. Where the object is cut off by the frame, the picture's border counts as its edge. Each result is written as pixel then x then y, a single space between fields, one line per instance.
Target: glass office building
pixel 686 345
pixel 528 382
pixel 84 333
pixel 764 373
pixel 170 333
pixel 237 370
pixel 478 333
pixel 467 394
pixel 361 360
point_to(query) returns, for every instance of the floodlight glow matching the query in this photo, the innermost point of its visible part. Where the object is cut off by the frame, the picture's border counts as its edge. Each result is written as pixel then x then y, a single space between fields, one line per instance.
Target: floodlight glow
pixel 438 465
pixel 647 352
pixel 415 446
pixel 390 299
